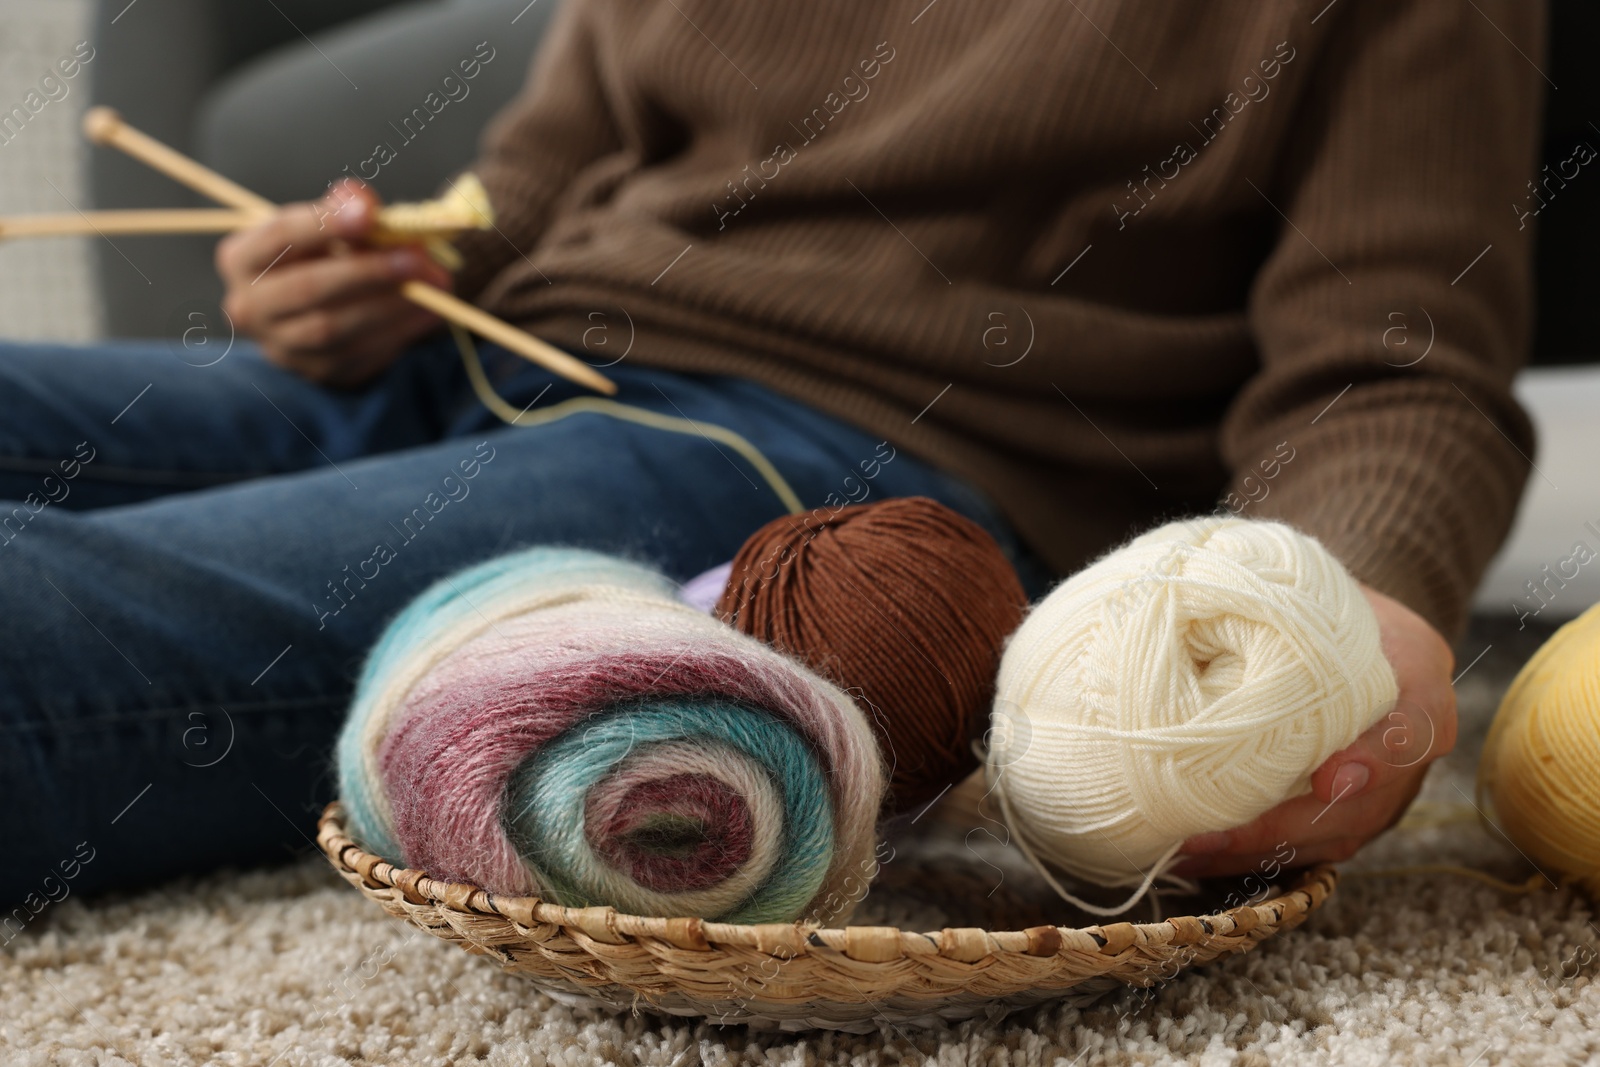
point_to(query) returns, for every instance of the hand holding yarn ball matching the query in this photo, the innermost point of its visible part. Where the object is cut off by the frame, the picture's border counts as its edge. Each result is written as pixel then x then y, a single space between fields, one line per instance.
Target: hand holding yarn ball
pixel 1364 788
pixel 1184 684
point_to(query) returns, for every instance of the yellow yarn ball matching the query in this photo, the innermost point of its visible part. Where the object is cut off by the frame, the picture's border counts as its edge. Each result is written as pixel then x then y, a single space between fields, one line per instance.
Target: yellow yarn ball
pixel 1540 769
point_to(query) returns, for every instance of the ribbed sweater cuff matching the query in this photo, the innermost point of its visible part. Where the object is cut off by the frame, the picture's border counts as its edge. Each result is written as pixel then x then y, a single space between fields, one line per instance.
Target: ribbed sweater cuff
pixel 1415 508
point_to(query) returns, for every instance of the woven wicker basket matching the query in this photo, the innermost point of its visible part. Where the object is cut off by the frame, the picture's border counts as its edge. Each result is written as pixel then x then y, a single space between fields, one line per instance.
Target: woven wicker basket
pixel 796 977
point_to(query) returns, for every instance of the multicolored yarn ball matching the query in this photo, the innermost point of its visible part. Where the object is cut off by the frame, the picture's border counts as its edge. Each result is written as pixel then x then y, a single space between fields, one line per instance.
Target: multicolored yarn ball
pixel 1185 683
pixel 906 604
pixel 1538 771
pixel 556 723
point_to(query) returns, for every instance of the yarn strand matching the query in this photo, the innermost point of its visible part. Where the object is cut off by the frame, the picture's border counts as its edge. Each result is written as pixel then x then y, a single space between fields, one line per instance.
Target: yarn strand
pixel 1146 884
pixel 1534 884
pixel 626 412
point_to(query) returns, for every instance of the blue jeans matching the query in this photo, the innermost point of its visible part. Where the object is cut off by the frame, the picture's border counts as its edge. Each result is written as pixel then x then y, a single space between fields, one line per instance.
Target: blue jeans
pixel 190 570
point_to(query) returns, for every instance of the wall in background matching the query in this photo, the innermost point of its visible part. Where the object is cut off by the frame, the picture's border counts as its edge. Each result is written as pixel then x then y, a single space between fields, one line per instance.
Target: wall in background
pixel 1549 568
pixel 47 290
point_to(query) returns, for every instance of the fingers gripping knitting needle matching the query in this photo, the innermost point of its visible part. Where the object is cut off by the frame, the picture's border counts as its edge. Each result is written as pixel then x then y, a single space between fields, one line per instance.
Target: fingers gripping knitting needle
pixel 104 126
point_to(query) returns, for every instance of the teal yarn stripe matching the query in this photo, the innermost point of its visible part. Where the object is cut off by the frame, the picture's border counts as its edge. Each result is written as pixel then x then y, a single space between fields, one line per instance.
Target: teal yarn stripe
pixel 545 801
pixel 438 615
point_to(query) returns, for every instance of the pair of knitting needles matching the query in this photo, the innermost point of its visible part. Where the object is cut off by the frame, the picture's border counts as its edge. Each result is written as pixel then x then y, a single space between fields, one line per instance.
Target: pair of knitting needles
pixel 243 208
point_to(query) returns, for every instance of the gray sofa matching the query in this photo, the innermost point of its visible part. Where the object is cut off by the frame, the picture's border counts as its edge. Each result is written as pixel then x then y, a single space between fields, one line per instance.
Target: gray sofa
pixel 239 85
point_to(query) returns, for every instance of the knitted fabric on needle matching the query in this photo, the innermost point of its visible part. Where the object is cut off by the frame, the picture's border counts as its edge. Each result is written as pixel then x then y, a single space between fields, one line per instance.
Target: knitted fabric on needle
pixel 555 723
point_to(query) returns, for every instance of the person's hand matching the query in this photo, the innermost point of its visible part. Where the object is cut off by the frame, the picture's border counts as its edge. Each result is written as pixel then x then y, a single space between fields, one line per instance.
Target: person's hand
pixel 1362 790
pixel 317 301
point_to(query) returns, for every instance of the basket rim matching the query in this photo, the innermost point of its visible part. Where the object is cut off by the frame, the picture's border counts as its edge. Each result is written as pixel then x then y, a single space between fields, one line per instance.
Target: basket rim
pixel 876 944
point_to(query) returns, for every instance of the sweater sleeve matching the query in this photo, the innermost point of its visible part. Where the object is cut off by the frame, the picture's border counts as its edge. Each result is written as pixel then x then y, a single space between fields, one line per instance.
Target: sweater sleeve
pixel 1394 309
pixel 532 150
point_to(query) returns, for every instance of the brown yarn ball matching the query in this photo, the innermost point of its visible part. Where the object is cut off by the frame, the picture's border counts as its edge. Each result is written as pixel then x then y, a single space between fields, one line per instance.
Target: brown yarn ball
pixel 903 603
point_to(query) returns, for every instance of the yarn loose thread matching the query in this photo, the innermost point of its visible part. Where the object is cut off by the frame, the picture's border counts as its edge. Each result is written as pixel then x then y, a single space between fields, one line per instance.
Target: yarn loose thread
pixel 556 723
pixel 906 604
pixel 1539 774
pixel 1184 683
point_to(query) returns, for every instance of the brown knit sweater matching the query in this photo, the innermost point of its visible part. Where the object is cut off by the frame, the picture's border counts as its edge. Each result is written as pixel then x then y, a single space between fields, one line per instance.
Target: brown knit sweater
pixel 1111 261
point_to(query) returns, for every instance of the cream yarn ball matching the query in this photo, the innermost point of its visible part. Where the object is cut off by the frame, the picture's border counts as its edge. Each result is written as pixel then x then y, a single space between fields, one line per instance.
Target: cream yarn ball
pixel 1187 682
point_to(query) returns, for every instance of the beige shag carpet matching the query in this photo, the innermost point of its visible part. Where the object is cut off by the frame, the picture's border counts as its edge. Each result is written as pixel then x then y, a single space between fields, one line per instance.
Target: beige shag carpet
pixel 292 967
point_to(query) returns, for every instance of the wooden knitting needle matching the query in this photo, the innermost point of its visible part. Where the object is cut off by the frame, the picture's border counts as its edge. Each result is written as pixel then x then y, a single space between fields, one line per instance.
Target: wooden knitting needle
pixel 150 221
pixel 176 220
pixel 104 126
pixel 396 223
